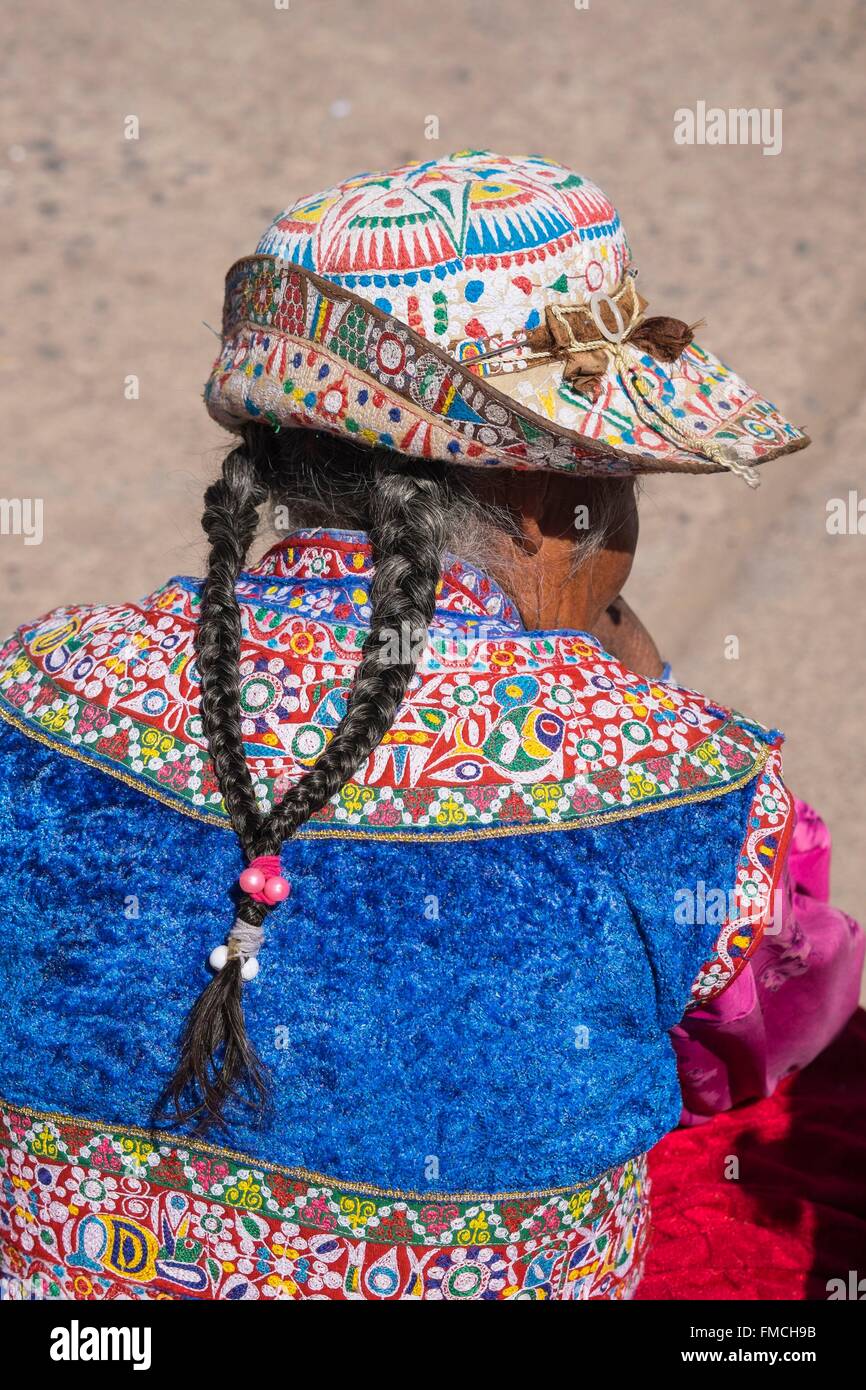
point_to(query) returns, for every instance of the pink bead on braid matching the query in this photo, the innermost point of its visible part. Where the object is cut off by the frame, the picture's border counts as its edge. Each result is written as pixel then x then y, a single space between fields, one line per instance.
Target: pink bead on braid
pixel 263 880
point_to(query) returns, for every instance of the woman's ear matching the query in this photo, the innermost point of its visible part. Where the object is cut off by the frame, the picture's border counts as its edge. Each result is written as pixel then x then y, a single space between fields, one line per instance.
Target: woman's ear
pixel 523 495
pixel 527 497
pixel 528 533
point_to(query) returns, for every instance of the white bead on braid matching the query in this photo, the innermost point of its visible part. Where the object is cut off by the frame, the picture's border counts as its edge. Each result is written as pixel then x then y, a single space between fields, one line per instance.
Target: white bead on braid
pixel 244 943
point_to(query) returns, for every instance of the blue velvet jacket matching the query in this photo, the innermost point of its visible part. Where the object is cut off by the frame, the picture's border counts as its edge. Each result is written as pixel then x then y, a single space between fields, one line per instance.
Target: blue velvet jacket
pixel 489 935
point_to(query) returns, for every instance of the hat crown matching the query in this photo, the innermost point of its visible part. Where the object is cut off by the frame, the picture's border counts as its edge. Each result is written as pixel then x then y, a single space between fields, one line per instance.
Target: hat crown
pixel 466 250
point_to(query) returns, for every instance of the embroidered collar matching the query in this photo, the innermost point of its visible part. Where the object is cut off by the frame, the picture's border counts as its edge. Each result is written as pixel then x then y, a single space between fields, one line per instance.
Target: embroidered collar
pixel 502 731
pixel 333 571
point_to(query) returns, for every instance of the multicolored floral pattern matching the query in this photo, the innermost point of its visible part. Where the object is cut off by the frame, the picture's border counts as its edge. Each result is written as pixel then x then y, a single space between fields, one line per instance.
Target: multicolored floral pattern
pixel 762 859
pixel 502 730
pixel 366 307
pixel 94 1211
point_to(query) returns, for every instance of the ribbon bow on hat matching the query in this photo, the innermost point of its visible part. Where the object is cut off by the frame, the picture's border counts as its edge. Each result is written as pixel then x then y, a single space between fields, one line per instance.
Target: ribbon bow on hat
pixel 576 332
pixel 590 334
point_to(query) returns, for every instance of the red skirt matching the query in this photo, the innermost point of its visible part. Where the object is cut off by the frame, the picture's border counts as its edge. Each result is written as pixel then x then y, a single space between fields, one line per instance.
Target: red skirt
pixel 767 1200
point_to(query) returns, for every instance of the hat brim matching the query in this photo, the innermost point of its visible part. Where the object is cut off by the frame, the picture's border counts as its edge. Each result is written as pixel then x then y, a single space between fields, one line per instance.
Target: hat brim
pixel 299 350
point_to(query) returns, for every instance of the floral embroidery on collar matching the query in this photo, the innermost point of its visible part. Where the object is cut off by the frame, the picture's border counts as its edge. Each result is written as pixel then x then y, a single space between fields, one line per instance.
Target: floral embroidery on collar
pixel 502 730
pixel 342 563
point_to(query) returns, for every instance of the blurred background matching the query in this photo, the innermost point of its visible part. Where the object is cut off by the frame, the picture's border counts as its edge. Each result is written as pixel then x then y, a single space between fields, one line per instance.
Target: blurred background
pixel 114 250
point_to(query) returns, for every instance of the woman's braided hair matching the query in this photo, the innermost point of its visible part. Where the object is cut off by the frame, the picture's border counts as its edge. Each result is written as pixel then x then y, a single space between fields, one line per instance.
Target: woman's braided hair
pixel 413 511
pixel 406 505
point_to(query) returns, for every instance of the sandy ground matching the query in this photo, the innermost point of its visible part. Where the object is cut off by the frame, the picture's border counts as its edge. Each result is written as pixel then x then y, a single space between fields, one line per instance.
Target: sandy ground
pixel 114 251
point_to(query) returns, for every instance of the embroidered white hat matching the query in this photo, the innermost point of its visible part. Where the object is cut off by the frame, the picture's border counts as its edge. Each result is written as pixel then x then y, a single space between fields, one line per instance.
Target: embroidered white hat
pixel 479 309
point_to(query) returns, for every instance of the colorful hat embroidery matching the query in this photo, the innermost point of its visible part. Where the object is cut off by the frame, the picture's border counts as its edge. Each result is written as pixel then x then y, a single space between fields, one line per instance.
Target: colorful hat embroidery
pixel 401 309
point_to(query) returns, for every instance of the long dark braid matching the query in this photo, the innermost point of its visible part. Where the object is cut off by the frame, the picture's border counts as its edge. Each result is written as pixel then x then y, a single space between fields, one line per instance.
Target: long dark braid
pixel 407 536
pixel 406 528
pixel 230 519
